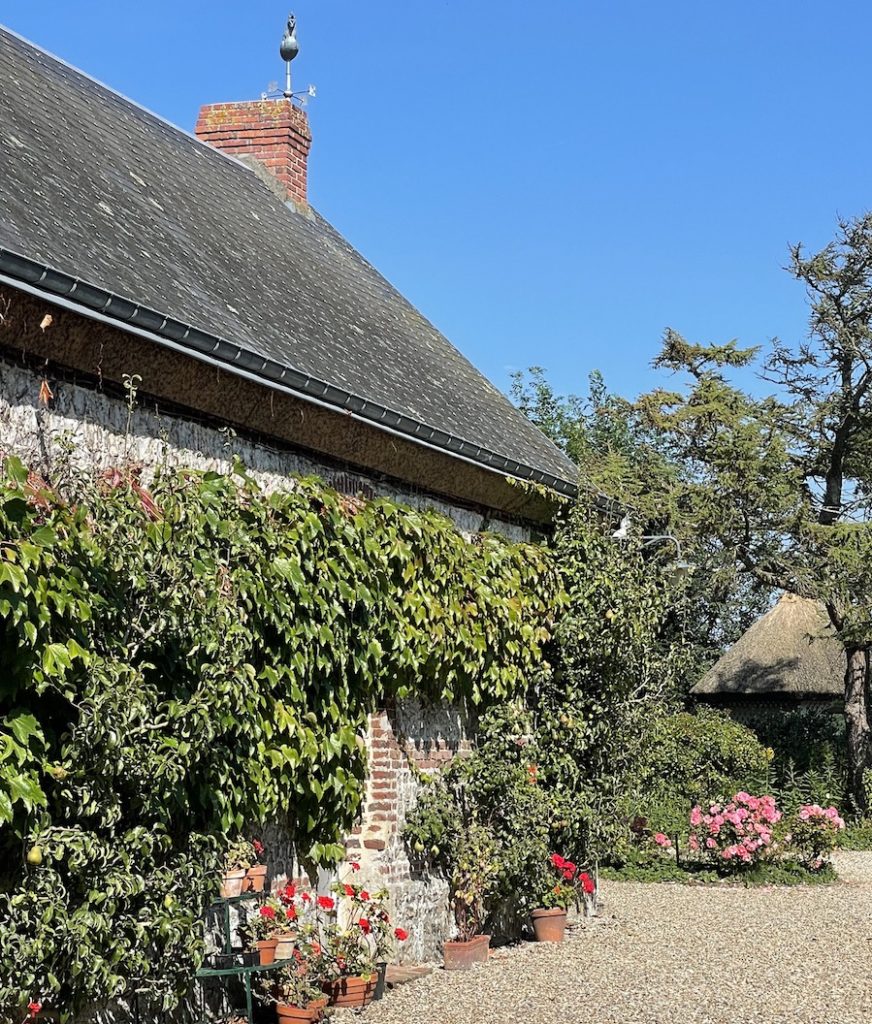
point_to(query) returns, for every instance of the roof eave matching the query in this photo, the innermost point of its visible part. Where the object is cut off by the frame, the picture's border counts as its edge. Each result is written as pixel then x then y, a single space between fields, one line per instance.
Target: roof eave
pixel 102 305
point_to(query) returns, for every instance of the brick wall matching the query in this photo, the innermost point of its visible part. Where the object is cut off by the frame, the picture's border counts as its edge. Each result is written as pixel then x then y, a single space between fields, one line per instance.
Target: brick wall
pixel 273 132
pixel 403 741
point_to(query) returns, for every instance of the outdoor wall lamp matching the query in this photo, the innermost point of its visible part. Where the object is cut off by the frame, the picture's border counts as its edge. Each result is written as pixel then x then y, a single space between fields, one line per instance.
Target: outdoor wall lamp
pixel 680 569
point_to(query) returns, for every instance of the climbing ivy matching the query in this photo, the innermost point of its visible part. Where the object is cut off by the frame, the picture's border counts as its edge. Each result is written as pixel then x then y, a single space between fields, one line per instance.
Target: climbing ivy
pixel 180 662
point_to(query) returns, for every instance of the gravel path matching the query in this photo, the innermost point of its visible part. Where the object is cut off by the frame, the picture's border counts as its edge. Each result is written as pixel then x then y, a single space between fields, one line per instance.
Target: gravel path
pixel 666 953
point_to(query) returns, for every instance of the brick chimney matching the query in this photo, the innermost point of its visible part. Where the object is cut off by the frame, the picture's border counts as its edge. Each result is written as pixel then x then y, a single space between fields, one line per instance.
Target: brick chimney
pixel 273 132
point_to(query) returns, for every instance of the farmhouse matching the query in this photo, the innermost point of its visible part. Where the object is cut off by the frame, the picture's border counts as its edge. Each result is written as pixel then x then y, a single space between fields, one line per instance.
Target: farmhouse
pixel 170 298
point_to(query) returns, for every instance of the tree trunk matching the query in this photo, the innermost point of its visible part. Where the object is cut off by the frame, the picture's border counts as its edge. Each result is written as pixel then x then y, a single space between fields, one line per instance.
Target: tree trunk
pixel 857 723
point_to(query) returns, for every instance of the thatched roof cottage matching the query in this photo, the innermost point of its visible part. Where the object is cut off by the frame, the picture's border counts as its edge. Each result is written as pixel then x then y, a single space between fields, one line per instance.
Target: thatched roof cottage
pixel 788 657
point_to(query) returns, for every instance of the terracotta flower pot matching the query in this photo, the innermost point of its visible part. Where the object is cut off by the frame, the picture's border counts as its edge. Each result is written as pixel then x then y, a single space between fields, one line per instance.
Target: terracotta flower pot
pixel 461 956
pixel 304 1014
pixel 549 925
pixel 267 950
pixel 232 883
pixel 350 992
pixel 255 878
pixel 286 943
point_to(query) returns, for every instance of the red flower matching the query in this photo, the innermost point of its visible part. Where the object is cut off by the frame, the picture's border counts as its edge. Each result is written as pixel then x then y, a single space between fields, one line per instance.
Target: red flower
pixel 355 866
pixel 291 913
pixel 306 898
pixel 267 912
pixel 365 926
pixel 288 893
pixel 34 1006
pixel 326 902
pixel 364 895
pixel 587 883
pixel 570 867
pixel 258 847
pixel 401 934
pixel 349 889
pixel 558 861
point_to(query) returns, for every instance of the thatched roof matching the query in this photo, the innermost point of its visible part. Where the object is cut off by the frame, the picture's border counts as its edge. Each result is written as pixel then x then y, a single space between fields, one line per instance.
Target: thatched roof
pixel 789 652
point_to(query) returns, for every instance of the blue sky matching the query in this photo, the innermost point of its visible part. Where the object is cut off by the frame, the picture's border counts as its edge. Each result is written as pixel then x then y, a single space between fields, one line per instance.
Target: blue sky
pixel 551 183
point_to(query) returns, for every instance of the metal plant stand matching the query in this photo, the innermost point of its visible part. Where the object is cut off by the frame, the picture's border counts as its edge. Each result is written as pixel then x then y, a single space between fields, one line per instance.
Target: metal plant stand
pixel 240 969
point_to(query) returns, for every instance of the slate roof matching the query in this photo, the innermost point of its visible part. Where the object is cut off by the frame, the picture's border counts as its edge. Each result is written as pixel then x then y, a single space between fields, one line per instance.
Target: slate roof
pixel 165 234
pixel 789 652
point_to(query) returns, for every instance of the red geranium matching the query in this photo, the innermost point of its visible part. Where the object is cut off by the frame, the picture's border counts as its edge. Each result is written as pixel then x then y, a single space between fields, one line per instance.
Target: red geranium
pixel 349 889
pixel 364 895
pixel 258 847
pixel 34 1006
pixel 267 912
pixel 587 883
pixel 291 913
pixel 288 893
pixel 326 902
pixel 401 934
pixel 355 866
pixel 365 926
pixel 558 861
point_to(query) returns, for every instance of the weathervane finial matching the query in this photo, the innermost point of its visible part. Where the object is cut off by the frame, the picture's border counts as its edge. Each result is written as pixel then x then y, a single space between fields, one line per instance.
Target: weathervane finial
pixel 289 50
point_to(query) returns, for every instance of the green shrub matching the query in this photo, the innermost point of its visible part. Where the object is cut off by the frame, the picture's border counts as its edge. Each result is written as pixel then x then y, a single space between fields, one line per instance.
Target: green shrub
pixel 857 835
pixel 693 758
pixel 182 662
pixel 808 743
pixel 494 789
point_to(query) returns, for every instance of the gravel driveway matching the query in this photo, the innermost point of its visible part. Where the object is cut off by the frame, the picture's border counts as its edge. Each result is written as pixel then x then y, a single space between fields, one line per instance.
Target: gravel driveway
pixel 679 954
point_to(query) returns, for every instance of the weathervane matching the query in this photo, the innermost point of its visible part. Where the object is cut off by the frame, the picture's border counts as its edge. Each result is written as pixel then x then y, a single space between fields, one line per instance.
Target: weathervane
pixel 288 49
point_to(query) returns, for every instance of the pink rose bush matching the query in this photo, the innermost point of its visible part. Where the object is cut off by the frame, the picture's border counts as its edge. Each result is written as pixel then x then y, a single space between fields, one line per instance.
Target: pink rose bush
pixel 815 833
pixel 735 834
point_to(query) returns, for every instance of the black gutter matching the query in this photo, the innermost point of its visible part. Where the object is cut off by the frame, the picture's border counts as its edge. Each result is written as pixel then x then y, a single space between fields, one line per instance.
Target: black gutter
pixel 100 304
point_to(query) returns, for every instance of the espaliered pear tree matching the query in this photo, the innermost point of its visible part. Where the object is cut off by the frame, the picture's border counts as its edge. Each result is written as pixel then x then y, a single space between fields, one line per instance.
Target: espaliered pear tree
pixel 783 483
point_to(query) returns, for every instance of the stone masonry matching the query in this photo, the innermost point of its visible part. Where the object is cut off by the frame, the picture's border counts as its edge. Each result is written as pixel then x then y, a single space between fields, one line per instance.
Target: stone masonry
pixel 404 741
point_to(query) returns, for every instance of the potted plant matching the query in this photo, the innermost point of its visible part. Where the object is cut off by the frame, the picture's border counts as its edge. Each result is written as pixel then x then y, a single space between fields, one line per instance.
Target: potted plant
pixel 296 915
pixel 357 950
pixel 472 878
pixel 255 876
pixel 263 928
pixel 295 990
pixel 238 859
pixel 563 884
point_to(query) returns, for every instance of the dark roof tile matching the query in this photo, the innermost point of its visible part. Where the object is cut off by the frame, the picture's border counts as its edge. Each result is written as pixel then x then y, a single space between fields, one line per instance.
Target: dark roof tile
pixel 98 188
